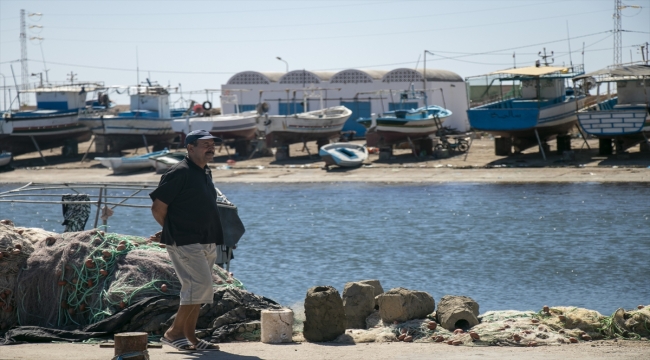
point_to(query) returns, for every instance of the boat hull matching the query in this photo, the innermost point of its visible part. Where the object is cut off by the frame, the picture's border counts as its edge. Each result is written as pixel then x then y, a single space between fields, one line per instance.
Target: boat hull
pixel 343 154
pixel 125 132
pixel 620 121
pixel 5 159
pixel 314 125
pixel 48 131
pixel 228 127
pixel 548 121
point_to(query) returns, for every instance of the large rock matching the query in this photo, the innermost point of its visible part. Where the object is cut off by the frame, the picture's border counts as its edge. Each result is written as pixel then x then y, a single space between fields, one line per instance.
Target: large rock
pixel 358 303
pixel 401 305
pixel 378 289
pixel 324 314
pixel 457 312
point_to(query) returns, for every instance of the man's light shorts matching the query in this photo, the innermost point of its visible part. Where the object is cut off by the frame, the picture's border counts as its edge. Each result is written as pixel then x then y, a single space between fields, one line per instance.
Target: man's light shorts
pixel 193 264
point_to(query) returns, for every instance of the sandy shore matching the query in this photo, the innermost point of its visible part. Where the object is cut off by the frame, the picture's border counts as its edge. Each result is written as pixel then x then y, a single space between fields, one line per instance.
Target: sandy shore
pixel 376 351
pixel 479 165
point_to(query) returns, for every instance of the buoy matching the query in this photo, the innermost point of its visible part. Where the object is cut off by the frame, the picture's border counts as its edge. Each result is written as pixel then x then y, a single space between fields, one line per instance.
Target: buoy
pixel 432 325
pixel 450 342
pixel 106 254
pixel 90 263
pixel 122 304
pixel 163 287
pixel 586 337
pixel 640 307
pixel 401 337
pixel 439 338
pixel 456 342
pixel 474 335
pixel 82 307
pixel 408 338
pixel 71 311
pixel 207 105
pixel 120 247
pixel 534 321
pixel 546 309
pixel 516 337
pixel 50 240
pixel 62 283
pixel 15 251
pixel 276 326
pixel 90 283
pixel 103 272
pixel 162 246
pixel 562 318
pixel 532 343
pixel 123 242
pixel 573 340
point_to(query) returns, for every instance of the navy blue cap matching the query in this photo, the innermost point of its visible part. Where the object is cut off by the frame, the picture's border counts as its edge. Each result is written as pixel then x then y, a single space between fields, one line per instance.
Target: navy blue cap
pixel 198 135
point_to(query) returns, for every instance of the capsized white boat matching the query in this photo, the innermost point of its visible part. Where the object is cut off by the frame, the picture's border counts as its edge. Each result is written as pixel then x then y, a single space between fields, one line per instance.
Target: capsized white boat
pixel 163 162
pixel 343 154
pixel 129 163
pixel 5 158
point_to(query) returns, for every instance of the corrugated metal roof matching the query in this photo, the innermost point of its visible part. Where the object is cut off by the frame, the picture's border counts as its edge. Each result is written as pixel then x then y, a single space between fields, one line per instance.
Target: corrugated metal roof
pixel 618 72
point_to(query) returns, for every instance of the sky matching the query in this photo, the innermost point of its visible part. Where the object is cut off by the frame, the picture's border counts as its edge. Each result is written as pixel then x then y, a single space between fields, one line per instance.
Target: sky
pixel 199 45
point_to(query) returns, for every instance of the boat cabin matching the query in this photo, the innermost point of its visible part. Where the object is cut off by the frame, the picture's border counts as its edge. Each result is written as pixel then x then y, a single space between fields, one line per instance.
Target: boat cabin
pixel 149 101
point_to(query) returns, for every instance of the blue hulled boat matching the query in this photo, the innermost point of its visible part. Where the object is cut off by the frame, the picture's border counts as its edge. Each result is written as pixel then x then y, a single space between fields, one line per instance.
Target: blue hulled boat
pixel 524 106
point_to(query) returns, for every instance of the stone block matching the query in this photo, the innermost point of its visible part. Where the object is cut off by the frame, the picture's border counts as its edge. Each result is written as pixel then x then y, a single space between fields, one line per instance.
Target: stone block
pixel 401 305
pixel 324 314
pixel 457 312
pixel 358 303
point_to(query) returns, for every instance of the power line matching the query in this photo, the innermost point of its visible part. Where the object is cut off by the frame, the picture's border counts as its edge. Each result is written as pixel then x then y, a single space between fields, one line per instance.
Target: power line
pixel 347 36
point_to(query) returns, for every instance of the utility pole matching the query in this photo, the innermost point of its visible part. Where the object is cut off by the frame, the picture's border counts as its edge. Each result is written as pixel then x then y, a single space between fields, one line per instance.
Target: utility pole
pixel 24 73
pixel 618 44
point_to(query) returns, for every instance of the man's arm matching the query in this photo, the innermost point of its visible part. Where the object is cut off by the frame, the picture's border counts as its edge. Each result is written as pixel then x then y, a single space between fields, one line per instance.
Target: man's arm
pixel 159 211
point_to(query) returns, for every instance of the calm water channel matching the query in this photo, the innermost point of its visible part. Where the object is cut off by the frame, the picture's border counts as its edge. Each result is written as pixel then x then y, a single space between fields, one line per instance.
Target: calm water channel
pixel 507 246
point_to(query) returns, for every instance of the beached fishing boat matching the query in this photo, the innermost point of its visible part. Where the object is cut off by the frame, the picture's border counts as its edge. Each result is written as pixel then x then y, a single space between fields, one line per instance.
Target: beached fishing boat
pixel 54 122
pixel 129 163
pixel 164 162
pixel 400 125
pixel 525 106
pixel 5 158
pixel 343 154
pixel 620 120
pixel 320 125
pixel 236 126
pixel 147 122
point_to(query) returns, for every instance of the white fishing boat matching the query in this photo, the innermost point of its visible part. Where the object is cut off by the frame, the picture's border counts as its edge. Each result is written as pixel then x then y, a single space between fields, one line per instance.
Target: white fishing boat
pixel 125 164
pixel 235 126
pixel 5 158
pixel 162 163
pixel 343 154
pixel 54 122
pixel 148 120
pixel 319 125
pixel 619 120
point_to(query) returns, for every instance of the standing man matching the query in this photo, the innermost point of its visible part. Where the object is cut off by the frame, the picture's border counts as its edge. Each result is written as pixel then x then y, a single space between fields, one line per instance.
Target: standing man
pixel 185 205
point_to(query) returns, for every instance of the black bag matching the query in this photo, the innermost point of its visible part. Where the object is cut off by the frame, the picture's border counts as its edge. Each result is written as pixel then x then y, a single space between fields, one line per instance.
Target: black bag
pixel 231 224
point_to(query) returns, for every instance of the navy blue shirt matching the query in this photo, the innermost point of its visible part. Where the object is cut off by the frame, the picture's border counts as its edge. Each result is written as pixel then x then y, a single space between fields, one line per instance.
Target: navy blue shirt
pixel 192 213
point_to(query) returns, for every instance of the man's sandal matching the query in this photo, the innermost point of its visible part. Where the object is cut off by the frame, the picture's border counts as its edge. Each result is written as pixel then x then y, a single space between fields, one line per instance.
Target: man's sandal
pixel 179 344
pixel 203 345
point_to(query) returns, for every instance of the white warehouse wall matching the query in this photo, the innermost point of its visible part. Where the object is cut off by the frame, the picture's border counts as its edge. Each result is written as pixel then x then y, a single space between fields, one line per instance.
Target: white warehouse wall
pixel 444 88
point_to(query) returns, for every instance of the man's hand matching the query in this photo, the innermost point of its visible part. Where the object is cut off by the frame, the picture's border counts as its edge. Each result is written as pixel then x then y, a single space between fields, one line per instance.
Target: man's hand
pixel 155 237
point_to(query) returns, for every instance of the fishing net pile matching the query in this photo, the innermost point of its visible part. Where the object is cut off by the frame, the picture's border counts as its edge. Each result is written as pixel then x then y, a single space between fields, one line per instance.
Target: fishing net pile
pixel 550 326
pixel 101 282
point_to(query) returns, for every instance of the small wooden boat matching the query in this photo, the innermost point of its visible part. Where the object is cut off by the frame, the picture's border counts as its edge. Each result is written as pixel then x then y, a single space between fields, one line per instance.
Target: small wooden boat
pixel 5 158
pixel 307 126
pixel 343 154
pixel 163 162
pixel 129 163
